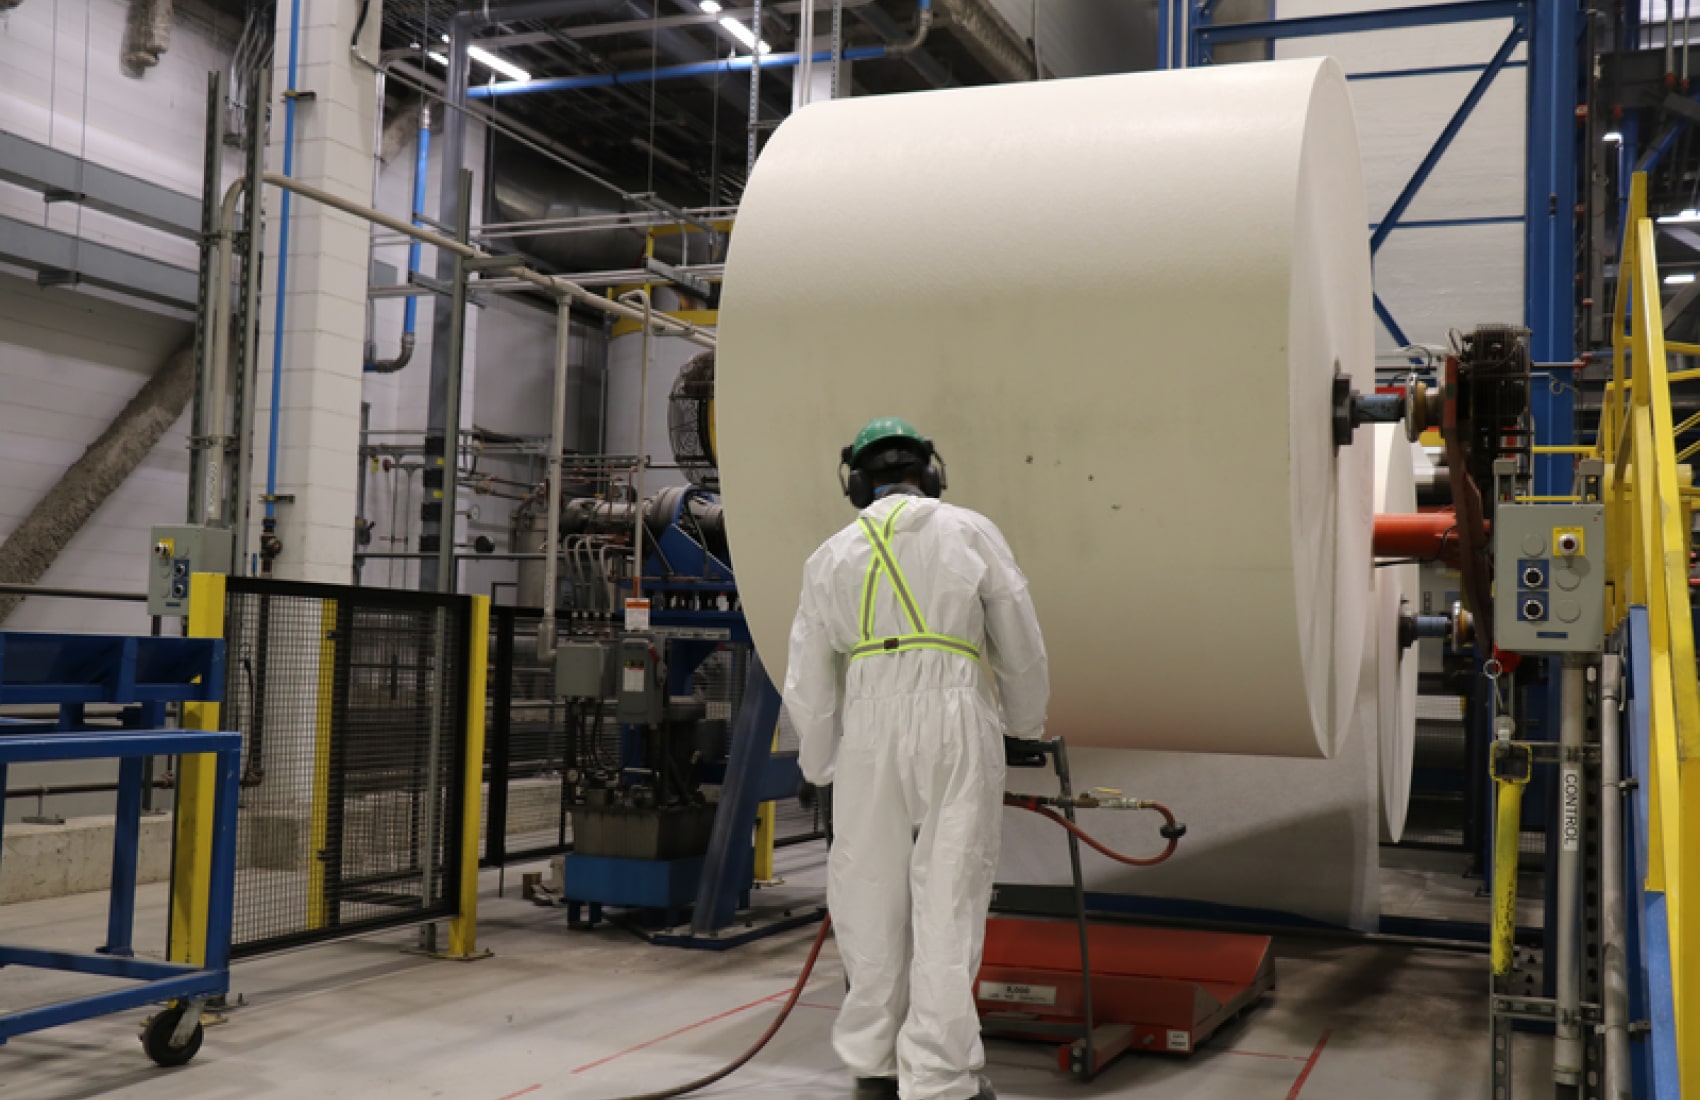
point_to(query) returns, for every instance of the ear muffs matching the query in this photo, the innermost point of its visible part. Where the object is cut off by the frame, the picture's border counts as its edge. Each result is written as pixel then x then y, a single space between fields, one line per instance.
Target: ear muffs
pixel 859 487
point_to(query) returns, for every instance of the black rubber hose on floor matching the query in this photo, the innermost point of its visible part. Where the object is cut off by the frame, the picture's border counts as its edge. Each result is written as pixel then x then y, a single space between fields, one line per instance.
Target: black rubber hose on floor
pixel 766 1036
pixel 826 926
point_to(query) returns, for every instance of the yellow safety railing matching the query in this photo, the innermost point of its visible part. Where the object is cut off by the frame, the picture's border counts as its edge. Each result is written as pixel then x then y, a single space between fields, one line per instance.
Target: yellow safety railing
pixel 1648 534
pixel 196 796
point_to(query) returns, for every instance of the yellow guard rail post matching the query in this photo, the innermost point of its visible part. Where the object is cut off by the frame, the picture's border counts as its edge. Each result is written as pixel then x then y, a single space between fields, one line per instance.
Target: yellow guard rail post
pixel 196 795
pixel 1647 563
pixel 463 927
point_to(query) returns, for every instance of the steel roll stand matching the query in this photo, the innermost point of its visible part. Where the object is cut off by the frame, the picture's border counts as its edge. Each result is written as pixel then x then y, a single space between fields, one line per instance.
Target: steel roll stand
pixel 142 675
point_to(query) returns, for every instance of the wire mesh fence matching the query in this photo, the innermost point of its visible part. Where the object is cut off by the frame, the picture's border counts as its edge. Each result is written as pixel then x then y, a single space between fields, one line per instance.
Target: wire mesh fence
pixel 351 706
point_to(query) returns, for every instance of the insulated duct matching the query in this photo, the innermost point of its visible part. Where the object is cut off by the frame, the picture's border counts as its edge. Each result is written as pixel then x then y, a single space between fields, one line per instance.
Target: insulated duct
pixel 36 542
pixel 149 34
pixel 526 187
pixel 985 34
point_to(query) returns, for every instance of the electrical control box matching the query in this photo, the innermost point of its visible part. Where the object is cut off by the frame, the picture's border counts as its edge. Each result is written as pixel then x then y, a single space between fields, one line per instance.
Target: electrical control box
pixel 1549 577
pixel 641 696
pixel 581 671
pixel 179 552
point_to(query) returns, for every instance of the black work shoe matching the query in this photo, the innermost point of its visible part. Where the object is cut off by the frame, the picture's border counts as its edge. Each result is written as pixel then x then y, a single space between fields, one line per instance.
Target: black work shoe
pixel 876 1088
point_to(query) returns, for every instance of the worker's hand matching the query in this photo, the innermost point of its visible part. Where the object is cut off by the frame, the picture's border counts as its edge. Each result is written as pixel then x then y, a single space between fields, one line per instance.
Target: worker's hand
pixel 808 795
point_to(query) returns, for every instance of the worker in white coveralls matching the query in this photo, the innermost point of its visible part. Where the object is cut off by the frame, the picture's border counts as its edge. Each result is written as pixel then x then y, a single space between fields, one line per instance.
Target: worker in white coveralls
pixel 913 627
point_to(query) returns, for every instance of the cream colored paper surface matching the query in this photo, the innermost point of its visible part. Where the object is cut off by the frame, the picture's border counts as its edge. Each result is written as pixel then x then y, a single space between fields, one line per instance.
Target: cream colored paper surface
pixel 1396 585
pixel 1116 305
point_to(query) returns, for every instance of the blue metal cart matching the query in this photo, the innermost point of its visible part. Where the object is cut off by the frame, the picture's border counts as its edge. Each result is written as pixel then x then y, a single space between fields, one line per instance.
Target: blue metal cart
pixel 72 671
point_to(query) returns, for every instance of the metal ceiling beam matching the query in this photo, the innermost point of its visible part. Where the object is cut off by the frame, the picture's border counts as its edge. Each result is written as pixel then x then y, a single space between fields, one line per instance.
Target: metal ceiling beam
pixel 61 177
pixel 61 259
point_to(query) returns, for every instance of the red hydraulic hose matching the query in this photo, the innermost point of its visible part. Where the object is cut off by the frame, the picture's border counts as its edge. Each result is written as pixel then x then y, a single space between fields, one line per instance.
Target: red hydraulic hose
pixel 766 1036
pixel 1032 805
pixel 1022 802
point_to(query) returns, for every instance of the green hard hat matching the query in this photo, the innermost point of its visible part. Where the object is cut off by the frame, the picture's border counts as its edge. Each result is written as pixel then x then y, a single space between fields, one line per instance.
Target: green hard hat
pixel 881 430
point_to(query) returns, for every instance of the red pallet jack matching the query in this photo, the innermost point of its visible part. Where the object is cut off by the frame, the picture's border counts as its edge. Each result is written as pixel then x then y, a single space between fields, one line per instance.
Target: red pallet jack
pixel 1148 989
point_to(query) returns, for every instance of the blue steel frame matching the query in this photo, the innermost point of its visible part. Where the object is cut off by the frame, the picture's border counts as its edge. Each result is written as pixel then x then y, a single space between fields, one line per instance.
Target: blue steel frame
pixel 1551 30
pixel 73 670
pixel 1648 951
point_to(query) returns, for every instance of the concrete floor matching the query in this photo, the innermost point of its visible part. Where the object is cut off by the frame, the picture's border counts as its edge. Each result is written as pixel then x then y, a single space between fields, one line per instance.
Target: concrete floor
pixel 591 1016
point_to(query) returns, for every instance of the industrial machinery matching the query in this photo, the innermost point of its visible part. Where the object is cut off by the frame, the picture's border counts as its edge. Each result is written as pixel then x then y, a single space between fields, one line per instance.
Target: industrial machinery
pixel 652 614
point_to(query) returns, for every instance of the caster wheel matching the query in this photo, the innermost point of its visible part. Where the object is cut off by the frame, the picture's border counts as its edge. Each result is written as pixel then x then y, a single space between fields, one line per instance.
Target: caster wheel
pixel 156 1038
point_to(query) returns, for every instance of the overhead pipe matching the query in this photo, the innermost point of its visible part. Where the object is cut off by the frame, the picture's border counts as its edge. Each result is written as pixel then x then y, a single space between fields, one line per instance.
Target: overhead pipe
pixel 270 544
pixel 550 284
pixel 410 314
pixel 557 445
pixel 739 64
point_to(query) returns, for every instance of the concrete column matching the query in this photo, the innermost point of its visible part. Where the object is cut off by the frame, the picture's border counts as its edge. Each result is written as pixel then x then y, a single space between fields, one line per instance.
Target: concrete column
pixel 325 295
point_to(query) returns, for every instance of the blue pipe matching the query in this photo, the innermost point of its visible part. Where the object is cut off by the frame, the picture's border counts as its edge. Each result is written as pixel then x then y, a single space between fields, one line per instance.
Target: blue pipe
pixel 411 317
pixel 270 525
pixel 669 72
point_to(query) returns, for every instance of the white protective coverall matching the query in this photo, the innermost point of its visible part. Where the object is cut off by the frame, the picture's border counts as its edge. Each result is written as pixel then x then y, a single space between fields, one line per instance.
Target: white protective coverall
pixel 912 740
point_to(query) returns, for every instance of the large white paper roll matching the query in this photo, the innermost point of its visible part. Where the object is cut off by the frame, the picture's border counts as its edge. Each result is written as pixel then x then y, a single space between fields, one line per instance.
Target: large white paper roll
pixel 1116 304
pixel 1396 586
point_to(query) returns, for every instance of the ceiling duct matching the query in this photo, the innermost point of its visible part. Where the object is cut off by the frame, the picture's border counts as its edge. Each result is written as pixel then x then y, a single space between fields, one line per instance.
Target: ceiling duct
pixel 526 187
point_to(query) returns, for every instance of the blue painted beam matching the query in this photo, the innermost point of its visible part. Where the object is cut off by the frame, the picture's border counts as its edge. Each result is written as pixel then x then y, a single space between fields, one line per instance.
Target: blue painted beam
pixel 1386 318
pixel 1468 11
pixel 1444 141
pixel 203 983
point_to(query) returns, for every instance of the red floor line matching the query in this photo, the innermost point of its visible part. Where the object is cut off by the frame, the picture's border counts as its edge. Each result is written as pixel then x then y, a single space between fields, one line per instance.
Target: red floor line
pixel 1265 1054
pixel 681 1031
pixel 1310 1064
pixel 522 1092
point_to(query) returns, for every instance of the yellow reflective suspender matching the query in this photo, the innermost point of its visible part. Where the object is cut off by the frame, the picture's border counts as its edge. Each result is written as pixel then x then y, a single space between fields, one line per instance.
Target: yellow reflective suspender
pixel 883 563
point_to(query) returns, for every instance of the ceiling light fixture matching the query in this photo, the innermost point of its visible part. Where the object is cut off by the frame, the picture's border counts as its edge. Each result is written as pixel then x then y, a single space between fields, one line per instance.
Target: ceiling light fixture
pixel 743 34
pixel 1678 280
pixel 712 7
pixel 501 65
pixel 1687 217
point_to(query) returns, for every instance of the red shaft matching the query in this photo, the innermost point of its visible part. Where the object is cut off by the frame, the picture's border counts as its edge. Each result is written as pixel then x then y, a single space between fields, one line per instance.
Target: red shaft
pixel 1425 536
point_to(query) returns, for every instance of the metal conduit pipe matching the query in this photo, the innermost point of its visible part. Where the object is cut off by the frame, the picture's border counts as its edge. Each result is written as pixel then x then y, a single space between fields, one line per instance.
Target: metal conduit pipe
pixel 410 311
pixel 742 63
pixel 551 284
pixel 1614 918
pixel 1572 724
pixel 557 443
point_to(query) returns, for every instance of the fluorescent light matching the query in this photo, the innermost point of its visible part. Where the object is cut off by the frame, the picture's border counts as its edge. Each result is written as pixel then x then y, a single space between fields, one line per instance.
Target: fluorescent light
pixel 712 7
pixel 438 58
pixel 1678 280
pixel 501 65
pixel 1612 136
pixel 1687 217
pixel 445 38
pixel 743 34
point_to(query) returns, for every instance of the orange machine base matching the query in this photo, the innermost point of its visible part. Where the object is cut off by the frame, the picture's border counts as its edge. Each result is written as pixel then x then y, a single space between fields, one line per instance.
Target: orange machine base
pixel 1153 989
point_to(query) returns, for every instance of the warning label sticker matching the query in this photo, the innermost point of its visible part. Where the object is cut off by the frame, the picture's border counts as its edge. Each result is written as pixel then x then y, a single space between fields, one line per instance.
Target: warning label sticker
pixel 1179 1040
pixel 1016 993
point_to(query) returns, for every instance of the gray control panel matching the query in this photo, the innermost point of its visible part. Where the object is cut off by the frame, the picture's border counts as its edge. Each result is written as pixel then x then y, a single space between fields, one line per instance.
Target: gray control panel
pixel 641 697
pixel 581 670
pixel 1549 577
pixel 179 552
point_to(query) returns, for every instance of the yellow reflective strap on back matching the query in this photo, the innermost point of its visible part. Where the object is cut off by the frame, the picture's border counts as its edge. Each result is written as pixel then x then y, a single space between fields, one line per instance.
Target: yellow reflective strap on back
pixel 888 562
pixel 903 642
pixel 871 582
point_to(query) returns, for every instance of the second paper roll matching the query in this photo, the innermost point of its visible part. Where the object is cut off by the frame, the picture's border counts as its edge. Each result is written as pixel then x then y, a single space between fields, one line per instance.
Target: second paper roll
pixel 1117 305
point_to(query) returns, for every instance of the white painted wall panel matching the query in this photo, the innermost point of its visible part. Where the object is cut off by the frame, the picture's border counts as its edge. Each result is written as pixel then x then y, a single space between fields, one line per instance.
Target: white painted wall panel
pixel 1435 279
pixel 68 363
pixel 61 84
